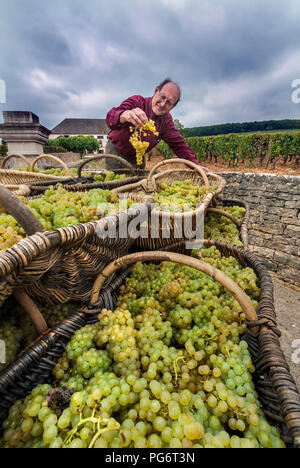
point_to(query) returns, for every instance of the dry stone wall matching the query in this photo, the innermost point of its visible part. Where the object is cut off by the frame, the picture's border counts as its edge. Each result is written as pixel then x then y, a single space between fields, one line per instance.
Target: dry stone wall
pixel 274 228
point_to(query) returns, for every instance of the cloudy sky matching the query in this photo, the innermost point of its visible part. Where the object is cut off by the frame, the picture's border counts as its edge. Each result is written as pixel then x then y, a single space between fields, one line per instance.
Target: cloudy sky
pixel 235 60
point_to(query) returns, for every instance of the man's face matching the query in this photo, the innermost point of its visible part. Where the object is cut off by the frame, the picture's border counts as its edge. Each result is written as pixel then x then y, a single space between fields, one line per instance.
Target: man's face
pixel 165 99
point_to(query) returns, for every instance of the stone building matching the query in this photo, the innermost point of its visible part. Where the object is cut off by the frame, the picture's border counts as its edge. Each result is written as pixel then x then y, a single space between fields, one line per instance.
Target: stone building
pixel 23 133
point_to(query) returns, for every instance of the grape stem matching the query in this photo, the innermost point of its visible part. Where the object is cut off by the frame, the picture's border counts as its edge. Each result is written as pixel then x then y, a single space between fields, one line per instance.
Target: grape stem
pixel 175 369
pixel 100 431
pixel 95 420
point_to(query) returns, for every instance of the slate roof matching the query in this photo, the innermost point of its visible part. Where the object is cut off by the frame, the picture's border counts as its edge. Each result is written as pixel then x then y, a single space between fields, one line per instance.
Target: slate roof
pixel 81 127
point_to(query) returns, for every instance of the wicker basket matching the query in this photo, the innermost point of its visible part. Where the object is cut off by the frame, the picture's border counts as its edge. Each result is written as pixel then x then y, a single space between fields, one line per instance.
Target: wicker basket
pixel 82 183
pixel 277 390
pixel 179 225
pixel 17 181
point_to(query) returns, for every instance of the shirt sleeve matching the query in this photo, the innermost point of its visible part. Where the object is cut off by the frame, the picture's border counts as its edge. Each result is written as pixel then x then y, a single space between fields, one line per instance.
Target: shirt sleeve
pixel 113 116
pixel 176 142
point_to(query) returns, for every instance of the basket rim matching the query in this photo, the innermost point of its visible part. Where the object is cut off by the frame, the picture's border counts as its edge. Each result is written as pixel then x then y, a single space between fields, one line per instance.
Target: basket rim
pixel 28 175
pixel 186 214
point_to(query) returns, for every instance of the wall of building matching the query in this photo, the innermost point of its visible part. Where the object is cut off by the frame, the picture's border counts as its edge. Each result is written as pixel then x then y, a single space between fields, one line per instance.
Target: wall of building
pixel 274 228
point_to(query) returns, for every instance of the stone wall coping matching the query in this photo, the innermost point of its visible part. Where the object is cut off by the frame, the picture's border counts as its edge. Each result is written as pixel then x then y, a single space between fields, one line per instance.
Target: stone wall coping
pixel 261 174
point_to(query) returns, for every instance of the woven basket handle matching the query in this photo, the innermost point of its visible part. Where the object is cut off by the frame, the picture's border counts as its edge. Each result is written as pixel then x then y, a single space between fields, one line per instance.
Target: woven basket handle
pixel 106 156
pixel 227 215
pixel 20 156
pixel 183 161
pixel 216 274
pixel 50 156
pixel 16 208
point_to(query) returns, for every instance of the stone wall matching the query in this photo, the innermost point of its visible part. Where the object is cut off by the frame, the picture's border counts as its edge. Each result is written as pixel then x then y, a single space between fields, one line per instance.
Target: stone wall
pixel 274 228
pixel 67 157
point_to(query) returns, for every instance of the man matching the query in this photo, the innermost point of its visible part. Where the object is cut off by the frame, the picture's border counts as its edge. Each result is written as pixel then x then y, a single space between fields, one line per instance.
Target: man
pixel 135 112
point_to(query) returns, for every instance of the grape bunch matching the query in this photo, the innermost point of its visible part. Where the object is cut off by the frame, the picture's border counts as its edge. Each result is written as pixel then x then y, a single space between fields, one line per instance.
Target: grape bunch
pixel 180 195
pixel 222 228
pixel 138 143
pixel 108 176
pixel 168 368
pixel 10 232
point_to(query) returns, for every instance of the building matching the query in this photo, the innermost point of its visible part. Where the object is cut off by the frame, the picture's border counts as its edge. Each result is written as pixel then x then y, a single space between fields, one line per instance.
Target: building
pixel 82 127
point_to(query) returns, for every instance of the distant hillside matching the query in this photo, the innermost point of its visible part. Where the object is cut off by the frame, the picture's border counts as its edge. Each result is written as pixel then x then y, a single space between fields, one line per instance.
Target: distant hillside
pixel 223 129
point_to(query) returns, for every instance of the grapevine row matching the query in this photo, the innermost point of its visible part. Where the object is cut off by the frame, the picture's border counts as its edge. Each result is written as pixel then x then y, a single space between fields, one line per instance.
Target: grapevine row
pixel 234 149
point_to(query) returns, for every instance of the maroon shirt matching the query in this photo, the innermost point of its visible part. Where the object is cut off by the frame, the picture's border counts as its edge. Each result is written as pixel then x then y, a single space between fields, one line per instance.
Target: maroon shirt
pixel 119 133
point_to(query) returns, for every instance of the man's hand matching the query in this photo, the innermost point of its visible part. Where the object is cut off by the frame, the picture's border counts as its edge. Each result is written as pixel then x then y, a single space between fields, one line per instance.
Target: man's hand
pixel 205 170
pixel 136 117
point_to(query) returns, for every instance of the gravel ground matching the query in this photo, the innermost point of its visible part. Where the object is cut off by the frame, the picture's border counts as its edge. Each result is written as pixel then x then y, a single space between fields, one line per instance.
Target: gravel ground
pixel 287 307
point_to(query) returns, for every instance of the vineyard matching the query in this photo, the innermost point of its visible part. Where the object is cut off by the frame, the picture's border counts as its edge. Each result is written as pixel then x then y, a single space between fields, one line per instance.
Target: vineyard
pixel 250 150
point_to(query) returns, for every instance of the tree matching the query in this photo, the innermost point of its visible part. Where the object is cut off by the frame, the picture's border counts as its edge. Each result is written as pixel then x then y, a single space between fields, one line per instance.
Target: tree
pixel 3 148
pixel 77 144
pixel 180 127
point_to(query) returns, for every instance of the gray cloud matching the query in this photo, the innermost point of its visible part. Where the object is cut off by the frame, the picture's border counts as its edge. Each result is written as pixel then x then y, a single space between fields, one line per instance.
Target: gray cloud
pixel 235 61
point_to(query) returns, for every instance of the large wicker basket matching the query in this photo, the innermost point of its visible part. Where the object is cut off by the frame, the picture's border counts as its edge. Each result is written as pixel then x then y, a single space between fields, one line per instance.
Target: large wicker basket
pixel 180 225
pixel 17 181
pixel 82 183
pixel 277 390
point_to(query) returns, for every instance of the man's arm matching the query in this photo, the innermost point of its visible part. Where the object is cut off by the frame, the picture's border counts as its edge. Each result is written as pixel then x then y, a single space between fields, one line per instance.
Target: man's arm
pixel 129 111
pixel 177 144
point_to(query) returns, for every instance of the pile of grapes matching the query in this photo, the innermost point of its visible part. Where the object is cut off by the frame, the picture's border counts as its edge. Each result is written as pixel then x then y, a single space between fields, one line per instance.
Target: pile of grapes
pixel 221 228
pixel 180 195
pixel 166 369
pixel 105 176
pixel 61 208
pixel 138 143
pixel 17 330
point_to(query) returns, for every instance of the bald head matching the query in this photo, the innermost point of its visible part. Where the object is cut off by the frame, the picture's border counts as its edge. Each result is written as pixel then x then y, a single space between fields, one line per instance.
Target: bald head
pixel 175 85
